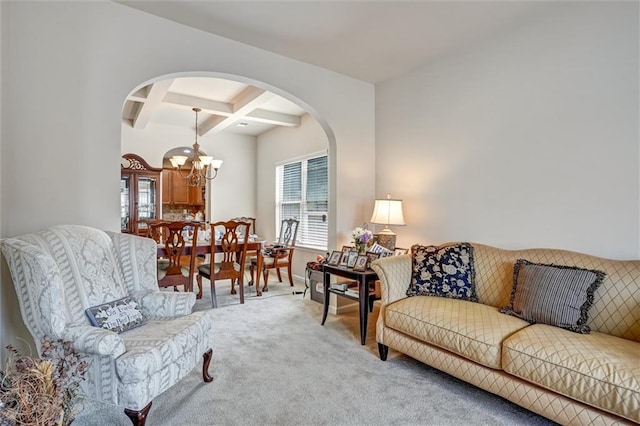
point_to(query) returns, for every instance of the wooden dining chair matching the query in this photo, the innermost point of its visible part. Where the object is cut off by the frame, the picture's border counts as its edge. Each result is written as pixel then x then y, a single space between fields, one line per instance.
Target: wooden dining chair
pixel 280 254
pixel 232 252
pixel 171 269
pixel 252 255
pixel 250 220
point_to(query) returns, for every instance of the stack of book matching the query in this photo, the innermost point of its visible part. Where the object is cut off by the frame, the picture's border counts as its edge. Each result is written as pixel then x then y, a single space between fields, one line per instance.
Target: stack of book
pixel 353 291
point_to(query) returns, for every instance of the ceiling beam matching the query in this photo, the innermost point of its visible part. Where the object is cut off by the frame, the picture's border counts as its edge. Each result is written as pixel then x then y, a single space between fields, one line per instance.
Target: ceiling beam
pixel 271 117
pixel 206 105
pixel 245 102
pixel 148 107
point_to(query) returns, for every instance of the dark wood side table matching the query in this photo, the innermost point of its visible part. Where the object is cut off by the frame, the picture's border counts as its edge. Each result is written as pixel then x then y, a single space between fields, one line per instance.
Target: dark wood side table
pixel 365 298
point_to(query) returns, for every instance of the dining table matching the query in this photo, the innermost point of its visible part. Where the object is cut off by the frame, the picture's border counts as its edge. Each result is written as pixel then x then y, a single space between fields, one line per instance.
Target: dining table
pixel 205 247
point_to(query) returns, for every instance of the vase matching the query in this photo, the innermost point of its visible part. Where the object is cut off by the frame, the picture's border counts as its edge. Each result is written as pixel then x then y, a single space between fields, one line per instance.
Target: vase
pixel 361 248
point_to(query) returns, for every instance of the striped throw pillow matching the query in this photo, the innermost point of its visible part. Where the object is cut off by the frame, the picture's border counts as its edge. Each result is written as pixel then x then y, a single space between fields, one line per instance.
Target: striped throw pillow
pixel 553 294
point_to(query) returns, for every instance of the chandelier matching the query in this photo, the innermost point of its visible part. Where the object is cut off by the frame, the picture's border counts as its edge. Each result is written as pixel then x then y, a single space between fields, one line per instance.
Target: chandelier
pixel 200 164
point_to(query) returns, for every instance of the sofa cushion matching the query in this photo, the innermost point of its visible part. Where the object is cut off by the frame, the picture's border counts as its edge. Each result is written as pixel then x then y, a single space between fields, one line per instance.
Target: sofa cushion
pixel 445 271
pixel 471 330
pixel 553 294
pixel 161 343
pixel 598 369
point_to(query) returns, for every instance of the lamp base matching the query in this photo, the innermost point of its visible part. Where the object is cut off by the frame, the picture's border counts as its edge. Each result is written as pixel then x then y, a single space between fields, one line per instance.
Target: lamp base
pixel 387 240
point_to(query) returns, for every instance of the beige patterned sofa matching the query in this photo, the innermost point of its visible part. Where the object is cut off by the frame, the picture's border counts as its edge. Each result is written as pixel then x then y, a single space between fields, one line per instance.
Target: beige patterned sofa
pixel 568 377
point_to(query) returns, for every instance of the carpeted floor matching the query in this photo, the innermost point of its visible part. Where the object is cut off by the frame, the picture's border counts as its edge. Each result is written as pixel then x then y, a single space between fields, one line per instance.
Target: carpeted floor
pixel 274 364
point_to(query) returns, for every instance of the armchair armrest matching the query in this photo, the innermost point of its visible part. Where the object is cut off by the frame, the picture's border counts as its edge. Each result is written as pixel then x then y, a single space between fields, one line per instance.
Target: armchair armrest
pixel 94 341
pixel 164 304
pixel 395 276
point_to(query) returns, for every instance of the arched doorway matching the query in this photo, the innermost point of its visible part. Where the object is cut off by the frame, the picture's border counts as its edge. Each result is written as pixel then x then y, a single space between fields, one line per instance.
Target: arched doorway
pixel 245 186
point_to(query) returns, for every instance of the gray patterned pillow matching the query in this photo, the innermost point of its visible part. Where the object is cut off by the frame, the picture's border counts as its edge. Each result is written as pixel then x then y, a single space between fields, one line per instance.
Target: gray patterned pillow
pixel 445 271
pixel 553 294
pixel 119 315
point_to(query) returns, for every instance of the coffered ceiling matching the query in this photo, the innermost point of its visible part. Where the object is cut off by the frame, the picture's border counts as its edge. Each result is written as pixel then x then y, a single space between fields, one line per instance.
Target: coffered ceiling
pixel 227 106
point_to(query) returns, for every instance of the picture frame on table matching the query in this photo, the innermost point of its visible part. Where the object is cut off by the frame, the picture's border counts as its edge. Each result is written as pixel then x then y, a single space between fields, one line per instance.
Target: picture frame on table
pixel 361 263
pixel 334 259
pixel 351 260
pixel 386 253
pixel 371 257
pixel 400 251
pixel 344 259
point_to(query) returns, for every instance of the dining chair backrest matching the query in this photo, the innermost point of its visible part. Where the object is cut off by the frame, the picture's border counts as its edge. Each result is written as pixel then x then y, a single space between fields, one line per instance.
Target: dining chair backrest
pixel 174 236
pixel 155 231
pixel 233 251
pixel 250 220
pixel 288 232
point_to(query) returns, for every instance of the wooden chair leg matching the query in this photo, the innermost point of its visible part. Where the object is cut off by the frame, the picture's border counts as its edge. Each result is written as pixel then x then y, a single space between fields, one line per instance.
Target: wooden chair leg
pixel 241 287
pixel 138 417
pixel 199 280
pixel 265 277
pixel 252 268
pixel 290 274
pixel 214 298
pixel 278 273
pixel 205 365
pixel 233 286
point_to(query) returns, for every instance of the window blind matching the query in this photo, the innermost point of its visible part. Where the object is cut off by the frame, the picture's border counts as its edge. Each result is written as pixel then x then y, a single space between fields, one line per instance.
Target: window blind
pixel 302 193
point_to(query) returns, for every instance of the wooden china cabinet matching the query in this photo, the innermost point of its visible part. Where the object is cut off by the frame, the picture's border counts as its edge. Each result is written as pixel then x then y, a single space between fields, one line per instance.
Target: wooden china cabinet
pixel 139 193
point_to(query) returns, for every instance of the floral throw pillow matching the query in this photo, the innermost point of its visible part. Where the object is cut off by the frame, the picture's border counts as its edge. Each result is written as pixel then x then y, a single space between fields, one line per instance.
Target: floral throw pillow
pixel 118 316
pixel 445 271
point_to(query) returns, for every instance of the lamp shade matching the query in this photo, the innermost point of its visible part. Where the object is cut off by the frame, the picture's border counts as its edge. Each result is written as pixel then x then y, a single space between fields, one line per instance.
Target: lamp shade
pixel 387 212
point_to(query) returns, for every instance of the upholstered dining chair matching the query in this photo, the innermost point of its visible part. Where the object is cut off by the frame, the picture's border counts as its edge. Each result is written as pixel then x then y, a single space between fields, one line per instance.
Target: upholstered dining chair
pixel 171 269
pixel 280 254
pixel 99 290
pixel 231 251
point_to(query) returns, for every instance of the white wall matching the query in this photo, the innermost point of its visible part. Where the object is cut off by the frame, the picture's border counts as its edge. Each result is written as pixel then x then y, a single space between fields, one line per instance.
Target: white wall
pixel 233 191
pixel 70 66
pixel 4 288
pixel 276 146
pixel 529 139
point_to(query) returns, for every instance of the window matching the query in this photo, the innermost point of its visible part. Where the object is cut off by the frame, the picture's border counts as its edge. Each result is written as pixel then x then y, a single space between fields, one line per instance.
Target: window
pixel 302 193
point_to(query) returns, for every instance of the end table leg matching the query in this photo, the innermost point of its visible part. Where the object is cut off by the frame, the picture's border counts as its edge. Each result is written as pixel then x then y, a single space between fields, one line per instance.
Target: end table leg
pixel 325 293
pixel 363 302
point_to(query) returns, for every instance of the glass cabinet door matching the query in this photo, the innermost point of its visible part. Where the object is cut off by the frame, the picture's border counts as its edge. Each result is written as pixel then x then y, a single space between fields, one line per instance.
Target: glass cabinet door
pixel 125 203
pixel 147 200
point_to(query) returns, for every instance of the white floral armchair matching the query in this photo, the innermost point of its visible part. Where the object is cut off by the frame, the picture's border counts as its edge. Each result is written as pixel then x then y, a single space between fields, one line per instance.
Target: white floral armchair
pixel 61 271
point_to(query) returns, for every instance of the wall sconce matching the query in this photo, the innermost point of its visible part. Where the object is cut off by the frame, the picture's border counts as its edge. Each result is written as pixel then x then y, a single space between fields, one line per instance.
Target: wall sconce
pixel 387 212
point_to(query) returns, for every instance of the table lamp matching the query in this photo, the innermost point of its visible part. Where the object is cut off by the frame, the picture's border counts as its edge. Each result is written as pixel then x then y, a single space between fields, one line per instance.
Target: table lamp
pixel 387 212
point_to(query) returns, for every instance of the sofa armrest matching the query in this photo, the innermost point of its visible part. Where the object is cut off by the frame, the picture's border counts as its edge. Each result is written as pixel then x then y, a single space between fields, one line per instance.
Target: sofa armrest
pixel 94 341
pixel 395 276
pixel 165 304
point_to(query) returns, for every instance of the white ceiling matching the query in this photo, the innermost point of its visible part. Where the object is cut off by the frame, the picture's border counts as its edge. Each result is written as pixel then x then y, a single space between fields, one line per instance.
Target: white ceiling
pixel 367 40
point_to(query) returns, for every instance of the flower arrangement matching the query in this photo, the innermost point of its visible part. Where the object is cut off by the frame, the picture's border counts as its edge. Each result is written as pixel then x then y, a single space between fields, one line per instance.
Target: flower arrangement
pixel 362 237
pixel 41 391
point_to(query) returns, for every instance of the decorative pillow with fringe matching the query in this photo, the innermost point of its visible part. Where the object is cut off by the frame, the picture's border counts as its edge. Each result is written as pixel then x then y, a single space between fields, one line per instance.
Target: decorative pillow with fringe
pixel 445 271
pixel 551 294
